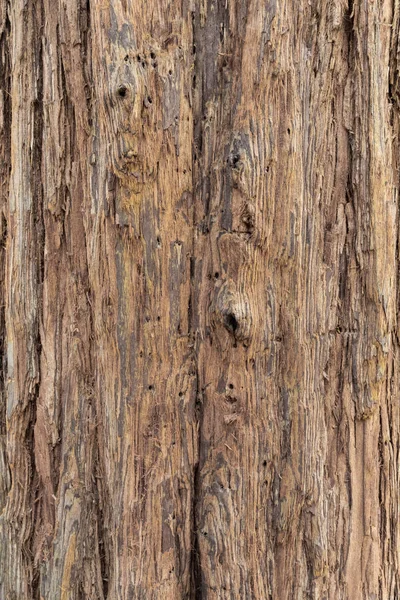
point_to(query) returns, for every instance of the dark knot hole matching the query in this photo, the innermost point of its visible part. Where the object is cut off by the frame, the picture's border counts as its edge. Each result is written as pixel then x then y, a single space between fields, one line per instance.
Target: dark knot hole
pixel 122 91
pixel 235 160
pixel 231 322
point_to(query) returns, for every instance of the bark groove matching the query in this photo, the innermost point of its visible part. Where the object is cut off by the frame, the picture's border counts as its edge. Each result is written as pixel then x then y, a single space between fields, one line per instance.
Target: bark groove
pixel 199 266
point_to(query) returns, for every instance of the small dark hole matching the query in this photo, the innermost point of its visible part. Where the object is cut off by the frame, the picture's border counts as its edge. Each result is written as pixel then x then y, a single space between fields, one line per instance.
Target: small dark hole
pixel 126 58
pixel 158 318
pixel 170 72
pixel 139 58
pixel 152 55
pixel 264 463
pixel 231 386
pixel 150 387
pixel 235 158
pixel 231 322
pixel 180 394
pixel 122 91
pixel 216 275
pixel 149 100
pixel 288 131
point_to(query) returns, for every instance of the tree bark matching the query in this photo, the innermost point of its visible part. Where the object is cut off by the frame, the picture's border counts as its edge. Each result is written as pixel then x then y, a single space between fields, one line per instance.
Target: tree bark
pixel 199 302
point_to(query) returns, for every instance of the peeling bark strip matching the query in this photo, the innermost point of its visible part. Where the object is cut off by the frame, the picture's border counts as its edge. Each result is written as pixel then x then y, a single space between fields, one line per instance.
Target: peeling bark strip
pixel 199 304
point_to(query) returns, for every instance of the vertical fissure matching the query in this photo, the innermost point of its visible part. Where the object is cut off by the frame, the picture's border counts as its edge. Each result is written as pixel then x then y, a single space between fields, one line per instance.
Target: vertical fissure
pixel 195 568
pixel 38 259
pixel 195 549
pixel 5 153
pixel 211 83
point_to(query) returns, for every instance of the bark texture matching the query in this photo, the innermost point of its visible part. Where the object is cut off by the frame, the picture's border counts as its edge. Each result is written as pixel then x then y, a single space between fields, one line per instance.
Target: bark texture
pixel 200 298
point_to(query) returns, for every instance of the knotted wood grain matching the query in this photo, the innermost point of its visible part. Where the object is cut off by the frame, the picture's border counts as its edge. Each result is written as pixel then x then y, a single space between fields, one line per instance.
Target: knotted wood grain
pixel 199 299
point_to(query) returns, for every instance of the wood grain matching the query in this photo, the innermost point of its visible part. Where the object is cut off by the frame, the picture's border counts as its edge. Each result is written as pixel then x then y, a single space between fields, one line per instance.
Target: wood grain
pixel 199 300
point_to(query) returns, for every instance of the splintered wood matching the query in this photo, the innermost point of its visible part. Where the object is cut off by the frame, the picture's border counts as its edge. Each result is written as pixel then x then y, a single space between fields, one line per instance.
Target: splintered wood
pixel 199 303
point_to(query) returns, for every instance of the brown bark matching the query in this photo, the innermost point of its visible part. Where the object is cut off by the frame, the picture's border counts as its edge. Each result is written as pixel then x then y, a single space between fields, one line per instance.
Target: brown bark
pixel 199 301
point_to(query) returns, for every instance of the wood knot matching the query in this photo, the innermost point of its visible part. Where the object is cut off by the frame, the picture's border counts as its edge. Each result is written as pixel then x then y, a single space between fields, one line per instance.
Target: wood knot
pixel 122 91
pixel 232 309
pixel 241 165
pixel 248 215
pixel 238 161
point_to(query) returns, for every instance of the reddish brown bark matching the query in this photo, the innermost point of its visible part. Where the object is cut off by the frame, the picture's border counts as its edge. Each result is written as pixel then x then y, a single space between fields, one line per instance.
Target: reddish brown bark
pixel 199 300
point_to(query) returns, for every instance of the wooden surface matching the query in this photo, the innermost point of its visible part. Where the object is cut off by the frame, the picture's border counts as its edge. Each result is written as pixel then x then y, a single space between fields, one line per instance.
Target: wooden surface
pixel 199 303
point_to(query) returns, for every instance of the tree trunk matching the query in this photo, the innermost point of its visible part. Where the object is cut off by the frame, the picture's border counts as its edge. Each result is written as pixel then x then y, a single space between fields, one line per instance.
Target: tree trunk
pixel 199 300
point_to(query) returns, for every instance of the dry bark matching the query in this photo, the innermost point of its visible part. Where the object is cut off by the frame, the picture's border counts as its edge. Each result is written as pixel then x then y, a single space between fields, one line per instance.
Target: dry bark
pixel 199 303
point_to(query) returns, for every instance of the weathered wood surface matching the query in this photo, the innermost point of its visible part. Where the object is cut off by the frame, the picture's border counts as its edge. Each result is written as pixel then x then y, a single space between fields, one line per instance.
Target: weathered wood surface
pixel 199 303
